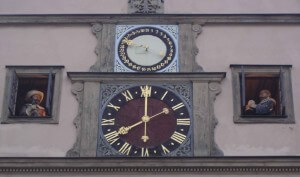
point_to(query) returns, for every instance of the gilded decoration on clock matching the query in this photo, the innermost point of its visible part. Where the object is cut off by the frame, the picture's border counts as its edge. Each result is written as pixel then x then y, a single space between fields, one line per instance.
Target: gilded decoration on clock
pixel 145 120
pixel 146 48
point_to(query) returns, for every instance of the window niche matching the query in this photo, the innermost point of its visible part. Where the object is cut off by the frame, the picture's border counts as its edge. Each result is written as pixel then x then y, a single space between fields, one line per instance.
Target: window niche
pixel 32 94
pixel 270 90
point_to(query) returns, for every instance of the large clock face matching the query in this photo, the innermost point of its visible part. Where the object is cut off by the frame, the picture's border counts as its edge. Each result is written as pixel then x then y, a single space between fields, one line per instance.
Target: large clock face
pixel 146 49
pixel 145 121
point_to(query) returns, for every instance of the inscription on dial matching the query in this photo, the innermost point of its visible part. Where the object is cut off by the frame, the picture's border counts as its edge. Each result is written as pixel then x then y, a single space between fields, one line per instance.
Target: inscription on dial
pixel 165 150
pixel 183 121
pixel 127 95
pixel 113 106
pixel 108 122
pixel 112 137
pixel 178 137
pixel 180 105
pixel 125 149
pixel 145 152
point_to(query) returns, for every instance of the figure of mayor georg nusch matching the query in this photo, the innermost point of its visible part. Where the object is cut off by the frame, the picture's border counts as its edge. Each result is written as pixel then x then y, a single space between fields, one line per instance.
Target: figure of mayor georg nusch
pixel 32 107
pixel 264 107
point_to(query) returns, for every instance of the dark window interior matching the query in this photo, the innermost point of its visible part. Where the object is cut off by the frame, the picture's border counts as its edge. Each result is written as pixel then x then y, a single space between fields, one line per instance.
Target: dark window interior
pixel 254 83
pixel 27 83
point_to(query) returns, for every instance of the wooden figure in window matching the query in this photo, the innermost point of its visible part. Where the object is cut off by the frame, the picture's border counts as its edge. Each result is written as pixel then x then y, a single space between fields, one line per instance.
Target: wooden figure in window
pixel 32 107
pixel 266 106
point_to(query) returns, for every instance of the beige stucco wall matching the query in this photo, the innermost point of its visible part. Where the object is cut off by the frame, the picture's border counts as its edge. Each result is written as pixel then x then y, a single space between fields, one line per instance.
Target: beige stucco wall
pixel 171 6
pixel 221 46
pixel 73 46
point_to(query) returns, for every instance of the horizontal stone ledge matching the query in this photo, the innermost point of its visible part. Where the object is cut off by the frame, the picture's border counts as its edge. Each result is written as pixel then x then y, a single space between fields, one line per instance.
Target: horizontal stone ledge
pixel 279 164
pixel 111 76
pixel 148 18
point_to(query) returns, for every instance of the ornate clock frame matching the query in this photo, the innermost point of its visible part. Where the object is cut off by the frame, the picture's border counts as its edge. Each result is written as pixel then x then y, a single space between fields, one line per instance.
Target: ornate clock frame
pixel 205 85
pixel 86 87
pixel 187 49
pixel 109 90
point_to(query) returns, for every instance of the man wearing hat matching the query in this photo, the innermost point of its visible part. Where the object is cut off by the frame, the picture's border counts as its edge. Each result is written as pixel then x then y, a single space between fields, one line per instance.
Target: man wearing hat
pixel 264 107
pixel 32 108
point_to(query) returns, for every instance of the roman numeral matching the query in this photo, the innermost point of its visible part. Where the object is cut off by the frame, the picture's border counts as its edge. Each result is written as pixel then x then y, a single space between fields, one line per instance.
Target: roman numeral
pixel 145 152
pixel 178 137
pixel 180 105
pixel 113 106
pixel 127 95
pixel 112 137
pixel 125 149
pixel 108 122
pixel 166 151
pixel 164 95
pixel 146 91
pixel 184 121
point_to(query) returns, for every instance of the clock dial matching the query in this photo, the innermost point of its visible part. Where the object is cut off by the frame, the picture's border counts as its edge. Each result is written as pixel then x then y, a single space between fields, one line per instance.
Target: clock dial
pixel 153 52
pixel 145 121
pixel 146 49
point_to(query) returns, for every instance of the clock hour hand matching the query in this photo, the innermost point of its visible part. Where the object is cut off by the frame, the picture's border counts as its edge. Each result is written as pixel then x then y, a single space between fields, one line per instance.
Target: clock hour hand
pixel 124 130
pixel 131 43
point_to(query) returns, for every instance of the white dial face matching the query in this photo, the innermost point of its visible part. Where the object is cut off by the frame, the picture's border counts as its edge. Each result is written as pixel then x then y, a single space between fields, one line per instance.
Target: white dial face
pixel 146 50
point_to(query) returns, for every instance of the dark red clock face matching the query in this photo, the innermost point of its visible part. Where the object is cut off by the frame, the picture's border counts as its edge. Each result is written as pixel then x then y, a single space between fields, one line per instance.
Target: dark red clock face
pixel 145 121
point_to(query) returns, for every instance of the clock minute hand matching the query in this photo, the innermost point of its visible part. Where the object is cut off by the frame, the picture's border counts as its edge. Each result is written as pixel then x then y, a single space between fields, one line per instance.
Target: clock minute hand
pixel 146 92
pixel 161 53
pixel 165 110
pixel 146 119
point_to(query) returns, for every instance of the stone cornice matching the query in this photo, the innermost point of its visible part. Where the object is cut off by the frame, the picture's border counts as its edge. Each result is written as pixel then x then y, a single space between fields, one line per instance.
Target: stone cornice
pixel 258 165
pixel 107 76
pixel 149 18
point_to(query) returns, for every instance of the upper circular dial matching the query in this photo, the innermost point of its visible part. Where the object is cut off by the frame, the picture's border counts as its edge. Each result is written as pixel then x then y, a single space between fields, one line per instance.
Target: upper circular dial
pixel 146 49
pixel 145 121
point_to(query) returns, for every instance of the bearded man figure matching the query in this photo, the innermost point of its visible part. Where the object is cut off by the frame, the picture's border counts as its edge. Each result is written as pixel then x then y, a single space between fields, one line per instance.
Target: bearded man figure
pixel 32 108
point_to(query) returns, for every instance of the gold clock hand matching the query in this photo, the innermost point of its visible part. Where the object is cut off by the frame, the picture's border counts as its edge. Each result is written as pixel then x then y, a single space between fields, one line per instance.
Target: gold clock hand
pixel 131 43
pixel 165 110
pixel 146 92
pixel 145 138
pixel 161 53
pixel 124 130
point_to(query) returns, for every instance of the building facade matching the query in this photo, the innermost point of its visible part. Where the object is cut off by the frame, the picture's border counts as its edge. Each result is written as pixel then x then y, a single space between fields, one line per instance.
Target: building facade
pixel 224 54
